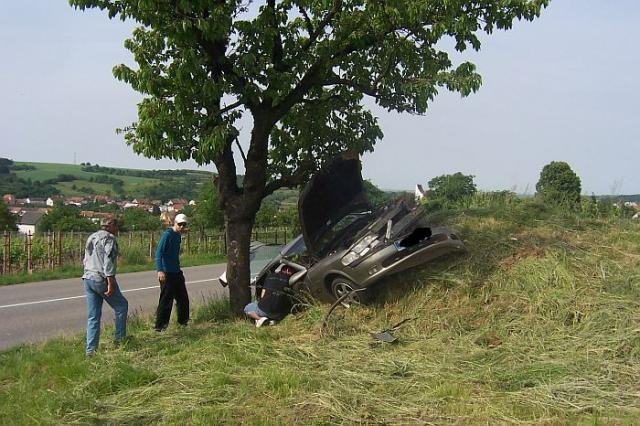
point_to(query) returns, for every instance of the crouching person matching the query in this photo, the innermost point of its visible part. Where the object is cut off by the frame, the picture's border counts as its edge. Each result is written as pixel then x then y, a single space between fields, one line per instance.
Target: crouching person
pixel 274 302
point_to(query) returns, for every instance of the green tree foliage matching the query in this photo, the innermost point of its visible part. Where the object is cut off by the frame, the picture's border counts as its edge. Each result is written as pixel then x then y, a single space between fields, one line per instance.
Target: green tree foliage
pixel 135 219
pixel 23 188
pixel 268 214
pixel 207 213
pixel 183 188
pixel 5 166
pixel 300 69
pixel 65 218
pixel 375 195
pixel 558 184
pixel 7 220
pixel 287 215
pixel 451 188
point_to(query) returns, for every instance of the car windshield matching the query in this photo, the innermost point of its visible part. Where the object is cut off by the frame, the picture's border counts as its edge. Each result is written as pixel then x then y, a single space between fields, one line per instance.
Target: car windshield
pixel 343 231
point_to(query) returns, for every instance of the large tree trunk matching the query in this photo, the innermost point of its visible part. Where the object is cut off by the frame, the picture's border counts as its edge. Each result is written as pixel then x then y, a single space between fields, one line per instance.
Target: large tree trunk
pixel 239 239
pixel 240 206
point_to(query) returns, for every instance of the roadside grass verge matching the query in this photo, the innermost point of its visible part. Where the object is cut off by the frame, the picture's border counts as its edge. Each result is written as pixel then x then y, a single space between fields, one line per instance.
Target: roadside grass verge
pixel 539 323
pixel 123 267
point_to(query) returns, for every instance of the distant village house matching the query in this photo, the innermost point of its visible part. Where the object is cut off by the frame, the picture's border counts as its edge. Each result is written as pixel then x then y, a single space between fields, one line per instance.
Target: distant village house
pixel 28 221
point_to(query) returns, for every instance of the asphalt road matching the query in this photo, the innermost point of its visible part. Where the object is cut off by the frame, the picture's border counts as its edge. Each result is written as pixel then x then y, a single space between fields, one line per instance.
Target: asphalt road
pixel 38 311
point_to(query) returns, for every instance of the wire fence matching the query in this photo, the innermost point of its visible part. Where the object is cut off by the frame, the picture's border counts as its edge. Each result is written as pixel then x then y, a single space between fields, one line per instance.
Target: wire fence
pixel 22 253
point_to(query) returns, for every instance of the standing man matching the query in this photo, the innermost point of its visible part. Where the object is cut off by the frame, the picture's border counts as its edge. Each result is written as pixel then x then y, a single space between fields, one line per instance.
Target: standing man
pixel 170 276
pixel 99 278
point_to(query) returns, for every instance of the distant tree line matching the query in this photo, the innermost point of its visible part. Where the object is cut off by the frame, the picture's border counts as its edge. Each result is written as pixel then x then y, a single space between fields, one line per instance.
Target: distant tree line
pixel 558 187
pixel 5 166
pixel 152 174
pixel 22 188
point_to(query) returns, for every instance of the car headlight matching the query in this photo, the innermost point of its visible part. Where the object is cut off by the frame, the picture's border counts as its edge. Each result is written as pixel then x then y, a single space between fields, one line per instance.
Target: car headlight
pixel 361 248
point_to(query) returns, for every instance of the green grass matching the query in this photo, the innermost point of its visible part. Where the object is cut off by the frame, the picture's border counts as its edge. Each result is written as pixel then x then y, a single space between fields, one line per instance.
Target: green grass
pixel 537 324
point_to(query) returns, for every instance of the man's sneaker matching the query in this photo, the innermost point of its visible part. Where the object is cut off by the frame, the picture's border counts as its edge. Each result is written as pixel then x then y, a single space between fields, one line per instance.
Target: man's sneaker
pixel 261 321
pixel 272 322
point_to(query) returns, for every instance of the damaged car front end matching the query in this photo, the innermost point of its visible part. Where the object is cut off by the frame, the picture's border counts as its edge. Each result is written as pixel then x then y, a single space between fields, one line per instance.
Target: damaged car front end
pixel 346 245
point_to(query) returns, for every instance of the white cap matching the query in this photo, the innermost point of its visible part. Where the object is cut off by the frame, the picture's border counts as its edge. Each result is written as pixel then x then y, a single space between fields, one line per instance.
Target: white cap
pixel 181 218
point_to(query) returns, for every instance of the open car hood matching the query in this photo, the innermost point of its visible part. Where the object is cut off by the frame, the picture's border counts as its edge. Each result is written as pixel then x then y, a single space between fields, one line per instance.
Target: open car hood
pixel 333 192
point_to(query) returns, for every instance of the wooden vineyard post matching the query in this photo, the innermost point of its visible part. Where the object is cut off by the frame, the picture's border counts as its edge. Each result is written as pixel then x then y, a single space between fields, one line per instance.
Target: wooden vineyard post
pixel 29 244
pixel 6 267
pixel 59 249
pixel 151 245
pixel 49 250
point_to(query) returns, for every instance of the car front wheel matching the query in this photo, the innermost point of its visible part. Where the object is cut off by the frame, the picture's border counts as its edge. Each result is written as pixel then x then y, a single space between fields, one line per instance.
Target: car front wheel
pixel 341 287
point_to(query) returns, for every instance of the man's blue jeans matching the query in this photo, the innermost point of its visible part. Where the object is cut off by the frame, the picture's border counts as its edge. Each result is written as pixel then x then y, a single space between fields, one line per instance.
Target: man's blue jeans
pixel 95 295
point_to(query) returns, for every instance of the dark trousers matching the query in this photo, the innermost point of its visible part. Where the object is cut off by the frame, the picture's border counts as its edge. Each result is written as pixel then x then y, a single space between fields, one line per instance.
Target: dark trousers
pixel 173 288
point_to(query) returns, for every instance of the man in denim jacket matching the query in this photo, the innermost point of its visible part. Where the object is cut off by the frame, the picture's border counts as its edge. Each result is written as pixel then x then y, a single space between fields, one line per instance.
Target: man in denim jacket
pixel 99 277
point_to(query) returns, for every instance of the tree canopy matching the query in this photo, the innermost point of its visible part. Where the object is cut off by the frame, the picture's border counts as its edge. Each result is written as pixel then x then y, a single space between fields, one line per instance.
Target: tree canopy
pixel 558 183
pixel 302 66
pixel 7 220
pixel 65 218
pixel 207 213
pixel 299 71
pixel 451 188
pixel 135 219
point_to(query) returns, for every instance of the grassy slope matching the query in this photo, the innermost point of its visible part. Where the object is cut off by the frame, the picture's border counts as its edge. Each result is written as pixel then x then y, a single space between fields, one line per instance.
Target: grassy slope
pixel 45 171
pixel 538 323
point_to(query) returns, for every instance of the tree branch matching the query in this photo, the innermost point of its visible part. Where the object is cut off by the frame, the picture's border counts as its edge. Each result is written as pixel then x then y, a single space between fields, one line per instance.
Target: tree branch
pixel 314 35
pixel 244 157
pixel 290 181
pixel 276 54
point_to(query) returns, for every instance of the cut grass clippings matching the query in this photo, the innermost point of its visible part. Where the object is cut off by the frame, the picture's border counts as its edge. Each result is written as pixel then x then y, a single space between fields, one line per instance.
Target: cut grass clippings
pixel 539 323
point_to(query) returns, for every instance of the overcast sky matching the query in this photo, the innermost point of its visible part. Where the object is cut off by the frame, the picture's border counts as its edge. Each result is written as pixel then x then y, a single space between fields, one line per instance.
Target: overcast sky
pixel 561 88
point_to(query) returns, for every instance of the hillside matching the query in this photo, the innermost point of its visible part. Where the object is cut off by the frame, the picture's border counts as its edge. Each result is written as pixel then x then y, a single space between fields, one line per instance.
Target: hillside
pixel 46 179
pixel 86 180
pixel 538 323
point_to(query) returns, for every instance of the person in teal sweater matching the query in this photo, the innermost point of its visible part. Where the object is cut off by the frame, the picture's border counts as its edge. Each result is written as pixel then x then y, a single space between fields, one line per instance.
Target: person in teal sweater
pixel 170 276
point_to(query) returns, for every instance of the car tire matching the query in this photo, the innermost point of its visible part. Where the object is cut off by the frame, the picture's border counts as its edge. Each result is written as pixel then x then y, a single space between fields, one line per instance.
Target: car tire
pixel 341 286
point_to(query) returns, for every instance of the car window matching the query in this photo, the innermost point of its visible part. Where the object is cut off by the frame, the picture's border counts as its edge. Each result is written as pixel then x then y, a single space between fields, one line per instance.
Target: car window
pixel 346 227
pixel 262 256
pixel 293 247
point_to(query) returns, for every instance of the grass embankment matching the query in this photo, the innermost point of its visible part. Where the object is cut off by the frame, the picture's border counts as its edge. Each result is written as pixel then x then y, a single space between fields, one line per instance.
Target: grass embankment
pixel 538 323
pixel 76 271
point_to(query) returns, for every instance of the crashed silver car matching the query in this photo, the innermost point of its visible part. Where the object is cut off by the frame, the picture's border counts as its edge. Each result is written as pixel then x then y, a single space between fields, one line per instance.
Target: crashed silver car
pixel 345 244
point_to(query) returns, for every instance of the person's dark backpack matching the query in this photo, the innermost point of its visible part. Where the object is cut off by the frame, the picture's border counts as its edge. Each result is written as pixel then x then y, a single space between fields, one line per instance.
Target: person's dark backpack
pixel 276 302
